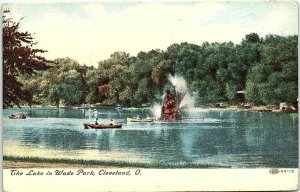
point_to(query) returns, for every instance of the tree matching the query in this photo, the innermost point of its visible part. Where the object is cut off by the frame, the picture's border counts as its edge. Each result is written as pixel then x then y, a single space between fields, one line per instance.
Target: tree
pixel 19 58
pixel 275 78
pixel 251 38
pixel 96 92
pixel 55 95
pixel 67 82
pixel 111 76
pixel 146 90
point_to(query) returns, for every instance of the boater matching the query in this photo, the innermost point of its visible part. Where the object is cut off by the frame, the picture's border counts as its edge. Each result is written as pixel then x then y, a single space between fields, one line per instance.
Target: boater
pixel 112 122
pixel 96 123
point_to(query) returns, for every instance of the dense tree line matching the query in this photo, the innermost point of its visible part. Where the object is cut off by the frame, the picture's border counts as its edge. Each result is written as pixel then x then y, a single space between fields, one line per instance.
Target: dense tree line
pixel 265 68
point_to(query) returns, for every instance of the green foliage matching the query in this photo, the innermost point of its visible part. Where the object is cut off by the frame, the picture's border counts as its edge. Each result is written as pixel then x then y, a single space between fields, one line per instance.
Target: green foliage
pixel 71 88
pixel 251 38
pixel 64 83
pixel 67 86
pixel 265 68
pixel 93 80
pixel 275 78
pixel 55 95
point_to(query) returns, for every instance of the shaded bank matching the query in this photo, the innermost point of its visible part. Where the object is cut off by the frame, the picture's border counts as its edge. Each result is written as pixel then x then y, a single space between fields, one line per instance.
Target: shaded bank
pixel 36 162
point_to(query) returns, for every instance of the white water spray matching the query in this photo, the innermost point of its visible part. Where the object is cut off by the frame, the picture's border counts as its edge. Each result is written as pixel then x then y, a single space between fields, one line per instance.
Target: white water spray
pixel 179 83
pixel 186 101
pixel 156 110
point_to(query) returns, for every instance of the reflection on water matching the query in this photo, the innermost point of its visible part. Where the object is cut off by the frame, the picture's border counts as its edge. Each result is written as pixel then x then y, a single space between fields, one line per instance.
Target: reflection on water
pixel 231 138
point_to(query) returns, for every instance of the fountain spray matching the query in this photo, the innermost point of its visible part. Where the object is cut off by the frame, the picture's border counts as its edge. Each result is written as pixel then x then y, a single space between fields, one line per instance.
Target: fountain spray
pixel 175 97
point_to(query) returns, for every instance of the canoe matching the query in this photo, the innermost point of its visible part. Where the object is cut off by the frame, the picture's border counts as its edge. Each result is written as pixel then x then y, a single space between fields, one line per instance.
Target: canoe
pixel 101 126
pixel 17 116
pixel 139 120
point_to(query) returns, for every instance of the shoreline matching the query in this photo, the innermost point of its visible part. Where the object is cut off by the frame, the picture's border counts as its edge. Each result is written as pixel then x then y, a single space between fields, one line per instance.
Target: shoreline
pixel 11 162
pixel 262 108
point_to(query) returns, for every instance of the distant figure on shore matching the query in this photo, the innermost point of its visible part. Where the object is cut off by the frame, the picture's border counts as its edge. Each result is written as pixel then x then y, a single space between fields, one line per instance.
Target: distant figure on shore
pixel 112 122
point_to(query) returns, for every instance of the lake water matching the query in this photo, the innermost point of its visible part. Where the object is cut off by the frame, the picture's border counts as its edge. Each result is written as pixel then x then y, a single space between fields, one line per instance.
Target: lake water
pixel 239 139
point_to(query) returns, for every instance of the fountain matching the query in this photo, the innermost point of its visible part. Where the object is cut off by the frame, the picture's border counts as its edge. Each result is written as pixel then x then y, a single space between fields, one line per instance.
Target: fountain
pixel 176 97
pixel 170 108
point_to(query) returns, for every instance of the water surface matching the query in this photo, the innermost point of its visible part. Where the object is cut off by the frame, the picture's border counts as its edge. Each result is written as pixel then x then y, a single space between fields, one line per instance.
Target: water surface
pixel 238 139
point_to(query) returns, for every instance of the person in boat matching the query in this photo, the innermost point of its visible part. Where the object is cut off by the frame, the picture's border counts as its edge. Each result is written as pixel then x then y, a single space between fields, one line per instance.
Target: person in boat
pixel 112 122
pixel 96 122
pixel 138 117
pixel 147 117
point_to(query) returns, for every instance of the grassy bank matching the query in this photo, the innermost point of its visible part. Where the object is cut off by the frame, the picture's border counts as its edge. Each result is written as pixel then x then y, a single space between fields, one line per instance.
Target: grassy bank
pixel 35 161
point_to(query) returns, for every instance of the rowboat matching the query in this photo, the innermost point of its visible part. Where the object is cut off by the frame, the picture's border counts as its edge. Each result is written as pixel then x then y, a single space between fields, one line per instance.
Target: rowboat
pixel 90 111
pixel 140 120
pixel 101 126
pixel 17 116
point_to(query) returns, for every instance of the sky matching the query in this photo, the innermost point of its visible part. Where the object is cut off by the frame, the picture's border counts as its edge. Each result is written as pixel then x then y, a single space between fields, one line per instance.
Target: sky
pixel 90 32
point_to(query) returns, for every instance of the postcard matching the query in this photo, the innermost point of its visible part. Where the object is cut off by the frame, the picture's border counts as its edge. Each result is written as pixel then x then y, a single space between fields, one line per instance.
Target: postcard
pixel 150 96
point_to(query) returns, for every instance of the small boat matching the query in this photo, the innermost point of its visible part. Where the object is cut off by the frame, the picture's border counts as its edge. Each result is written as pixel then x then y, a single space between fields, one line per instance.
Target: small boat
pixel 94 111
pixel 17 116
pixel 118 108
pixel 101 126
pixel 140 120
